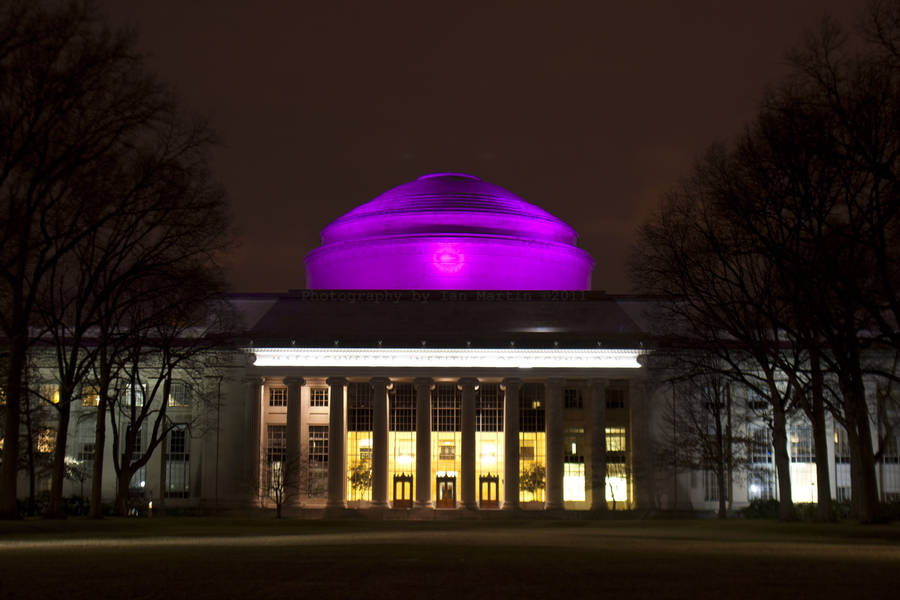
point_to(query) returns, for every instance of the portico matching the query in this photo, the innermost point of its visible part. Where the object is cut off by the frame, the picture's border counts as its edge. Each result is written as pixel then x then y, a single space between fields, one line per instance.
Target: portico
pixel 412 429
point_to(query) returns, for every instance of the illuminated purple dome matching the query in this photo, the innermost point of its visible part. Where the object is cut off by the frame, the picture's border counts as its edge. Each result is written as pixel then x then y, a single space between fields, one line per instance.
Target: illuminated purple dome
pixel 448 231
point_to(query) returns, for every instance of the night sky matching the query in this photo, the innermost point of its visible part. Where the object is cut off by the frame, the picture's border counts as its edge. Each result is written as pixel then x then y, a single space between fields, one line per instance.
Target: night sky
pixel 590 110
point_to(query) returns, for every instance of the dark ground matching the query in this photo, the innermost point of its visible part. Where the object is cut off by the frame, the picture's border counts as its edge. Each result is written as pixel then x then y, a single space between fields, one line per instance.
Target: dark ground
pixel 221 558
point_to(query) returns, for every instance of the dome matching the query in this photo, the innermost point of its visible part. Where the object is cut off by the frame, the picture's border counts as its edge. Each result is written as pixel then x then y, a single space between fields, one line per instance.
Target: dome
pixel 448 231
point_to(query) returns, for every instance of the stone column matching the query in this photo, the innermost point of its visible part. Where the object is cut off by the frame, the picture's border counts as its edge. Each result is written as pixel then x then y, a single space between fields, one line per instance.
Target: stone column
pixel 424 386
pixel 597 413
pixel 468 385
pixel 253 455
pixel 380 449
pixel 337 470
pixel 511 387
pixel 292 442
pixel 554 439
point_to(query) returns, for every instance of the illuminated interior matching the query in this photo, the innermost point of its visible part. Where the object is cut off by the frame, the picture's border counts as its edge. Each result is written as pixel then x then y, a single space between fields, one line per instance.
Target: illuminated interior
pixel 532 463
pixel 617 485
pixel 359 465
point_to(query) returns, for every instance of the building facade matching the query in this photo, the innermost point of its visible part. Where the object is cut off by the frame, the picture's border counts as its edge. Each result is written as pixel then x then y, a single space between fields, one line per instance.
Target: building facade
pixel 446 355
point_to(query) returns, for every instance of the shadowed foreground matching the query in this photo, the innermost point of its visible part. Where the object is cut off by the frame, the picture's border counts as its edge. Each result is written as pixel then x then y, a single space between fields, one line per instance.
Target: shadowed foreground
pixel 217 558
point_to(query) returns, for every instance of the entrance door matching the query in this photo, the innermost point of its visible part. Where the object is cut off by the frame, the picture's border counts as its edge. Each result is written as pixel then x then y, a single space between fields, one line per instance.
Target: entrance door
pixel 487 491
pixel 446 491
pixel 403 490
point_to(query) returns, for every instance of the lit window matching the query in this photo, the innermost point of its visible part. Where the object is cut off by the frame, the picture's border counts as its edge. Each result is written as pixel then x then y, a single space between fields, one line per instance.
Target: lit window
pixel 50 393
pixel 135 392
pixel 615 439
pixel 448 451
pixel 802 449
pixel 90 395
pixel 318 396
pixel 573 479
pixel 277 396
pixel 46 441
pixel 179 395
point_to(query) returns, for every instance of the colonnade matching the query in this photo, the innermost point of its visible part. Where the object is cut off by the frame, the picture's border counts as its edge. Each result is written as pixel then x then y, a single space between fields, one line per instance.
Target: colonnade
pixel 595 406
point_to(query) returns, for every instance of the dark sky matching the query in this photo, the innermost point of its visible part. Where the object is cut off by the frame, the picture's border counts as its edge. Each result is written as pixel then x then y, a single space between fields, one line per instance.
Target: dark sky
pixel 588 109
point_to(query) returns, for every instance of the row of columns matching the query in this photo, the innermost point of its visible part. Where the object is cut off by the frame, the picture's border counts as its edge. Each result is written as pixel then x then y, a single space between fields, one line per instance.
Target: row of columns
pixel 555 452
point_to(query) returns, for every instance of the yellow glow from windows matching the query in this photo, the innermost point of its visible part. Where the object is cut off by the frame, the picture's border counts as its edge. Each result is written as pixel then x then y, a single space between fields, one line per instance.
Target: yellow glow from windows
pixel 616 489
pixel 46 441
pixel 532 466
pixel 445 458
pixel 401 462
pixel 90 395
pixel 488 454
pixel 573 482
pixel 359 465
pixel 615 439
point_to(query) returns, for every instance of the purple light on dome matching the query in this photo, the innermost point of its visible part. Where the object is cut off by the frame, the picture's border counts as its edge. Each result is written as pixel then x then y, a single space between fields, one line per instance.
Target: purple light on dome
pixel 448 231
pixel 448 259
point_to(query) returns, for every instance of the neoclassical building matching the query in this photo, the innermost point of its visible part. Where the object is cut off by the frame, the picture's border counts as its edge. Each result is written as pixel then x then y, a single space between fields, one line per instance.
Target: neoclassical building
pixel 446 354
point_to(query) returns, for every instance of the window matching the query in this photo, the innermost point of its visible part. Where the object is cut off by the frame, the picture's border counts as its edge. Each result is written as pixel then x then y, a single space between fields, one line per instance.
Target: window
pixel 49 392
pixel 841 445
pixel 276 447
pixel 318 396
pixel 277 396
pixel 572 398
pixel 139 478
pixel 178 471
pixel 573 479
pixel 318 460
pixel 138 395
pixel 711 486
pixel 615 398
pixel 90 395
pixel 46 441
pixel 756 402
pixel 447 451
pixel 179 395
pixel 531 407
pixel 761 484
pixel 615 443
pixel 359 407
pixel 802 450
pixel 403 407
pixel 86 453
pixel 890 454
pixel 445 411
pixel 760 445
pixel 489 408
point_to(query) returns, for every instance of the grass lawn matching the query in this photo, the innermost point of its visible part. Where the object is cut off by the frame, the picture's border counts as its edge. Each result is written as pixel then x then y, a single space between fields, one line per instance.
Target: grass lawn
pixel 264 558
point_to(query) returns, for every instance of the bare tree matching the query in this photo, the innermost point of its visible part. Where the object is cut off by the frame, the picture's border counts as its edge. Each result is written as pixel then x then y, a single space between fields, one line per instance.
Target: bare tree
pixel 786 244
pixel 92 145
pixel 183 326
pixel 703 430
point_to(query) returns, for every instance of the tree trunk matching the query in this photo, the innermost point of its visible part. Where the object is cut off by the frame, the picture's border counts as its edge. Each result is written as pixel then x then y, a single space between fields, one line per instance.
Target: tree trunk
pixel 56 509
pixel 782 463
pixel 824 507
pixel 864 487
pixel 122 486
pixel 99 445
pixel 729 448
pixel 103 383
pixel 9 470
pixel 29 450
